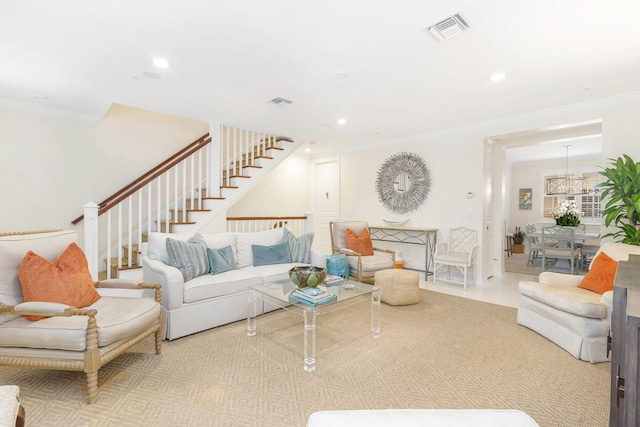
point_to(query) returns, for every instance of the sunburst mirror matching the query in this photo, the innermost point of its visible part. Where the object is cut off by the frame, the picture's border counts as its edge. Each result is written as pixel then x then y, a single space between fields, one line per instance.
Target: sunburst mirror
pixel 403 182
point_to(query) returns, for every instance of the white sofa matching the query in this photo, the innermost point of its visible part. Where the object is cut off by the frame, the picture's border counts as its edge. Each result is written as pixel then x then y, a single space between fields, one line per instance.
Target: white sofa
pixel 210 300
pixel 576 319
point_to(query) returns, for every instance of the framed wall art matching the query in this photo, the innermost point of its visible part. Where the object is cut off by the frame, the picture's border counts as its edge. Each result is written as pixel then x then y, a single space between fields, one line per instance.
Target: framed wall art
pixel 525 199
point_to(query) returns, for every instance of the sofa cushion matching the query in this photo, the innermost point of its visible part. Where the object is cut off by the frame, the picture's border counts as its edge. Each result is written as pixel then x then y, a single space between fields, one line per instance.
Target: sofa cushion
pixel 244 241
pixel 211 286
pixel 360 243
pixel 221 260
pixel 370 264
pixel 190 257
pixel 67 280
pixel 299 247
pixel 274 254
pixel 601 275
pixel 117 319
pixel 570 299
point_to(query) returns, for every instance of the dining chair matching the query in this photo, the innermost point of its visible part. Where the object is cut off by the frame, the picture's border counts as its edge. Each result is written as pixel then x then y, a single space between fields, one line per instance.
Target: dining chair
pixel 558 243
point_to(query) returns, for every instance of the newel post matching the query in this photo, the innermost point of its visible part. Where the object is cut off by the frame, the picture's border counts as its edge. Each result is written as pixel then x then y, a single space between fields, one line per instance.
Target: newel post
pixel 215 160
pixel 91 238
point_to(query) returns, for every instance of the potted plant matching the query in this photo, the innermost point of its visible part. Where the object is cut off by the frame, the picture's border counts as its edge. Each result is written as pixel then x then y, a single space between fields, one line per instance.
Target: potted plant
pixel 622 188
pixel 518 236
pixel 567 213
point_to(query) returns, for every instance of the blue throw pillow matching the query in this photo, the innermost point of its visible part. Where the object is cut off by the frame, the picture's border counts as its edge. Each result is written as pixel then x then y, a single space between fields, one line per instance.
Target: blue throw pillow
pixel 190 257
pixel 266 255
pixel 221 260
pixel 299 247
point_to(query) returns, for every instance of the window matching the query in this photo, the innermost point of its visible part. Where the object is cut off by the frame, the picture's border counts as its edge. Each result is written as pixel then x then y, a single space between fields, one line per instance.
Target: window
pixel 588 203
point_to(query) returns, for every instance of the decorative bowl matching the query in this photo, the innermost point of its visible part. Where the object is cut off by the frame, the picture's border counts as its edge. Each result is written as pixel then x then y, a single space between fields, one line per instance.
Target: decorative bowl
pixel 307 276
pixel 395 223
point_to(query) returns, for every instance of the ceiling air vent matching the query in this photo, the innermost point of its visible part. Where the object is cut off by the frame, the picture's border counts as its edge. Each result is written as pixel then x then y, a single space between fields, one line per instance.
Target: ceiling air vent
pixel 448 27
pixel 280 101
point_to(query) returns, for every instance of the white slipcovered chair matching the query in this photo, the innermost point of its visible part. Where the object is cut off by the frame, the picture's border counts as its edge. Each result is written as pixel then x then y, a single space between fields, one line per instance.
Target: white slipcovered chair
pixel 362 267
pixel 459 252
pixel 576 319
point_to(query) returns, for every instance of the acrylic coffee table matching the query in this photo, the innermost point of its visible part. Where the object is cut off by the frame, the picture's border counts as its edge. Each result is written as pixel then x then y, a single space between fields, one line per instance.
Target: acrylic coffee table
pixel 276 293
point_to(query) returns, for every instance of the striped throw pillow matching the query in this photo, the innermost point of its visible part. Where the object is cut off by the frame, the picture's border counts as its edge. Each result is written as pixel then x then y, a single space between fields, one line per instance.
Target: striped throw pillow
pixel 299 247
pixel 190 256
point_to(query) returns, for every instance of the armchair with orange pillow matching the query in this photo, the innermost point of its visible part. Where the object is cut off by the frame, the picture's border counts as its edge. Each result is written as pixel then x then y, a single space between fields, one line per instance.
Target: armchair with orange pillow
pixel 52 315
pixel 573 311
pixel 352 239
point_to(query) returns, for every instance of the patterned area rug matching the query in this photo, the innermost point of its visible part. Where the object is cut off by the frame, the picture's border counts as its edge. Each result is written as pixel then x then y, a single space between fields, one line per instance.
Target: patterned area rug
pixel 445 352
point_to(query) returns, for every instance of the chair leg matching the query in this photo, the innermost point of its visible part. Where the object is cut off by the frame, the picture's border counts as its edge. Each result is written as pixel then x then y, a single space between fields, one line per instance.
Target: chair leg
pixel 92 386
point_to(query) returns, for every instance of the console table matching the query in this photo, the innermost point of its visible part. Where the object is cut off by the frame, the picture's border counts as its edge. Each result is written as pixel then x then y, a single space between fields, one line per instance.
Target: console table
pixel 411 236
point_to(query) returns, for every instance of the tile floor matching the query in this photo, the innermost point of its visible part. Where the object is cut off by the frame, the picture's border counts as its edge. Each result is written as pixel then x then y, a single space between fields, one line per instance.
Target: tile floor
pixel 501 290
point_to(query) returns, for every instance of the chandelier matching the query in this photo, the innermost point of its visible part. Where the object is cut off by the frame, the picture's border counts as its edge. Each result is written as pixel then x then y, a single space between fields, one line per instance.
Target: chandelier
pixel 567 185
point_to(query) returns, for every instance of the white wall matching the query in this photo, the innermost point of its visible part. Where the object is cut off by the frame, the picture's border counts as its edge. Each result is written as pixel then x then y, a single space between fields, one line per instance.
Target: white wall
pixel 52 165
pixel 283 192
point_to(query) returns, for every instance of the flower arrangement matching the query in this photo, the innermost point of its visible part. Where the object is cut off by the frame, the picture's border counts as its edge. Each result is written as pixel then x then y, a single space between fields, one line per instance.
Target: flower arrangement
pixel 567 213
pixel 518 236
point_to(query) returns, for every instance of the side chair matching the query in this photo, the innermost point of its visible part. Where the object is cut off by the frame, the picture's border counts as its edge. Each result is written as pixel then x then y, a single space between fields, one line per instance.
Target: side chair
pixel 459 252
pixel 558 243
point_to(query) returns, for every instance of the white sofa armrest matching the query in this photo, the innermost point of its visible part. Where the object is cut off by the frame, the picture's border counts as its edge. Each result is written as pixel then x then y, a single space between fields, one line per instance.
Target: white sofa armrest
pixel 169 277
pixel 559 279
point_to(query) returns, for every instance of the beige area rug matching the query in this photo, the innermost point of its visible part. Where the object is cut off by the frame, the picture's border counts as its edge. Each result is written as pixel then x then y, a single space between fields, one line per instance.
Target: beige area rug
pixel 445 352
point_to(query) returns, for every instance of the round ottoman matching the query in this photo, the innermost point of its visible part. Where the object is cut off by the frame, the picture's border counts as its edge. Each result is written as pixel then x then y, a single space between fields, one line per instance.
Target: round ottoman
pixel 399 287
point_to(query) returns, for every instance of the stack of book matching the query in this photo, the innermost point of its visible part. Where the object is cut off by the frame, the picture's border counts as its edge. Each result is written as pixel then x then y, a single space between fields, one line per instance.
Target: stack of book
pixel 333 280
pixel 311 296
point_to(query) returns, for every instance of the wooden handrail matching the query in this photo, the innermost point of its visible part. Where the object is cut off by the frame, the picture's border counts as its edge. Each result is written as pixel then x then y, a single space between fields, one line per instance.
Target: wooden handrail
pixel 149 176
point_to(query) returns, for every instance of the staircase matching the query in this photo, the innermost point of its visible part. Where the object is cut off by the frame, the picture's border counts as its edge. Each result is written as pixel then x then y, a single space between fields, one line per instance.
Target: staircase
pixel 174 197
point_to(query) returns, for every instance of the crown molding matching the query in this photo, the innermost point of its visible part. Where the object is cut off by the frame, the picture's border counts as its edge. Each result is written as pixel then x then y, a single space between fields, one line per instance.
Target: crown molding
pixel 505 121
pixel 51 111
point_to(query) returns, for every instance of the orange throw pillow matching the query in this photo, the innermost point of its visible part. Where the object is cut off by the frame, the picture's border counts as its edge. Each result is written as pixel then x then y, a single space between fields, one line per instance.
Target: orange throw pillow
pixel 601 275
pixel 65 281
pixel 359 243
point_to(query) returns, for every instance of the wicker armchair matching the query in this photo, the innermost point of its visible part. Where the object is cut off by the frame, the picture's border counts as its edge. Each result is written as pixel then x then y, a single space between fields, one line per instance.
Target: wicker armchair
pixel 69 338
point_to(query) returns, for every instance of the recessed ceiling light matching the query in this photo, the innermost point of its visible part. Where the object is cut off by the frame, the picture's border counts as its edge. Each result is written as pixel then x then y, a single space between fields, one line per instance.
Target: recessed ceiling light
pixel 497 77
pixel 308 150
pixel 160 63
pixel 342 121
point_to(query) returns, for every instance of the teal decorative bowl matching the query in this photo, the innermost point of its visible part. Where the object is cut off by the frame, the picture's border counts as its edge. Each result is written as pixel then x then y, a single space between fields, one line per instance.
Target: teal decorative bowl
pixel 307 276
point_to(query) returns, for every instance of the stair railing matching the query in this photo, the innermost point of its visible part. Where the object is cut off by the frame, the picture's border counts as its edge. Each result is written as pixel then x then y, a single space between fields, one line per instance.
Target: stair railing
pixel 297 224
pixel 164 196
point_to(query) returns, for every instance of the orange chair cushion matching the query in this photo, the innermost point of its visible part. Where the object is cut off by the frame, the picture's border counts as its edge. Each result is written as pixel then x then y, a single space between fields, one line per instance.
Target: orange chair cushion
pixel 65 281
pixel 359 243
pixel 601 275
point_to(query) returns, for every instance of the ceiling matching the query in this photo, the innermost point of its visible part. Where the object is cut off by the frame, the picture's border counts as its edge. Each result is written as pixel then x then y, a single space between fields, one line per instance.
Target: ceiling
pixel 367 61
